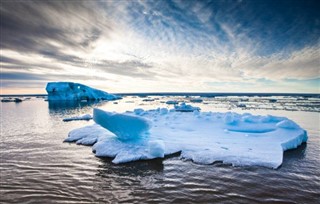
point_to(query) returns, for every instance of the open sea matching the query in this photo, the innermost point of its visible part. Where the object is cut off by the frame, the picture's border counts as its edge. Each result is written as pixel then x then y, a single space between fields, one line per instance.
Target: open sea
pixel 36 166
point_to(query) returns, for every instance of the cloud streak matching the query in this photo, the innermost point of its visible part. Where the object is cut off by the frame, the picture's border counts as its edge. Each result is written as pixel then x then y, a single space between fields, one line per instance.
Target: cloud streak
pixel 165 45
pixel 31 25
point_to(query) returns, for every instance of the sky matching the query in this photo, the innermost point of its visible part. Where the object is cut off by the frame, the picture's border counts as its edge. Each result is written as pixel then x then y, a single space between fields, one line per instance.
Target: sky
pixel 161 46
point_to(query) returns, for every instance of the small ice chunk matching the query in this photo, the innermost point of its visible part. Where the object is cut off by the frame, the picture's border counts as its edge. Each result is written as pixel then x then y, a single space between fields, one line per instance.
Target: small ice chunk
pixel 17 100
pixel 241 105
pixel 83 117
pixel 124 126
pixel 148 100
pixel 172 102
pixel 183 107
pixel 196 100
pixel 7 100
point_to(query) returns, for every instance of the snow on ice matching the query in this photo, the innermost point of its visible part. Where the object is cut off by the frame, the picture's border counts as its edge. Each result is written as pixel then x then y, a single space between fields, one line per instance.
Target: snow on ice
pixel 75 91
pixel 203 137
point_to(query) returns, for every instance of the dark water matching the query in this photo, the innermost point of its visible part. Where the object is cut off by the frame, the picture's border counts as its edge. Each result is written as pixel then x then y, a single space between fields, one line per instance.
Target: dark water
pixel 37 167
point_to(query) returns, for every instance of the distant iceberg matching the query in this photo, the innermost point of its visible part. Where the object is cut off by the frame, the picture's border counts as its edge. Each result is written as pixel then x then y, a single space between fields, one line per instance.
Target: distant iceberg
pixel 17 100
pixel 202 137
pixel 76 92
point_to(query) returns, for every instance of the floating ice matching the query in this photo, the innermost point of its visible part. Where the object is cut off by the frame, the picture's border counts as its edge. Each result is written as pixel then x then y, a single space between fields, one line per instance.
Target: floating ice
pixel 148 100
pixel 76 92
pixel 172 102
pixel 83 117
pixel 196 100
pixel 17 100
pixel 183 107
pixel 203 137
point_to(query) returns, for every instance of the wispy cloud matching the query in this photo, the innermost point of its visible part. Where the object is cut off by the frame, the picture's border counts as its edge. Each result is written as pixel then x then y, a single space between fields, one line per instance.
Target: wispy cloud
pixel 166 45
pixel 45 25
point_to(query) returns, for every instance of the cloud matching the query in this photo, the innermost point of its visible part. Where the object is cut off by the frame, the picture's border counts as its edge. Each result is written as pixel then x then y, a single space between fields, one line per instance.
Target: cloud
pixel 301 64
pixel 164 45
pixel 50 27
pixel 15 76
pixel 132 68
pixel 19 76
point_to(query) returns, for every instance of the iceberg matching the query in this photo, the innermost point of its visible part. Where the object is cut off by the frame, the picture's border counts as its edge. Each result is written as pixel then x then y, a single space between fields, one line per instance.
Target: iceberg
pixel 76 92
pixel 202 137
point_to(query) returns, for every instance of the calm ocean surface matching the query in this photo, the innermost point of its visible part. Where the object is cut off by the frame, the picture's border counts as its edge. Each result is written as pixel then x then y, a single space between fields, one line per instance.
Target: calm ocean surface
pixel 37 167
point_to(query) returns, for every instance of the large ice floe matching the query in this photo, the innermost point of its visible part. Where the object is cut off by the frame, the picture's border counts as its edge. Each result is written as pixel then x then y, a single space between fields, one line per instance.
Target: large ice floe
pixel 76 92
pixel 202 137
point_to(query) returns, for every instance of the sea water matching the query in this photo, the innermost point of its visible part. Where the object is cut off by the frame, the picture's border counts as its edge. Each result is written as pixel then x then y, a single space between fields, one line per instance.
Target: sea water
pixel 37 167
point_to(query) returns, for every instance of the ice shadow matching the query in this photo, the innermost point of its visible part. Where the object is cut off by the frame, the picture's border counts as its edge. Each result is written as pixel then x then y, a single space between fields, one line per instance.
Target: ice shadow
pixel 294 159
pixel 294 154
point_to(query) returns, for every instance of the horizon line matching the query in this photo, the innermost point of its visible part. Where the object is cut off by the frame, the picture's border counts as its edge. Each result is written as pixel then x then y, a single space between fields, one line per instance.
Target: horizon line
pixel 191 94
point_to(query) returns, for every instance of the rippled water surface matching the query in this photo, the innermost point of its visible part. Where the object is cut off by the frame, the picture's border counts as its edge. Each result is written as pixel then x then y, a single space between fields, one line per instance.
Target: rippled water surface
pixel 37 167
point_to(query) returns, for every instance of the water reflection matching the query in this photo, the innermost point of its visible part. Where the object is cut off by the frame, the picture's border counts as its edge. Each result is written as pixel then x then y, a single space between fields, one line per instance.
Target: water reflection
pixel 62 108
pixel 67 105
